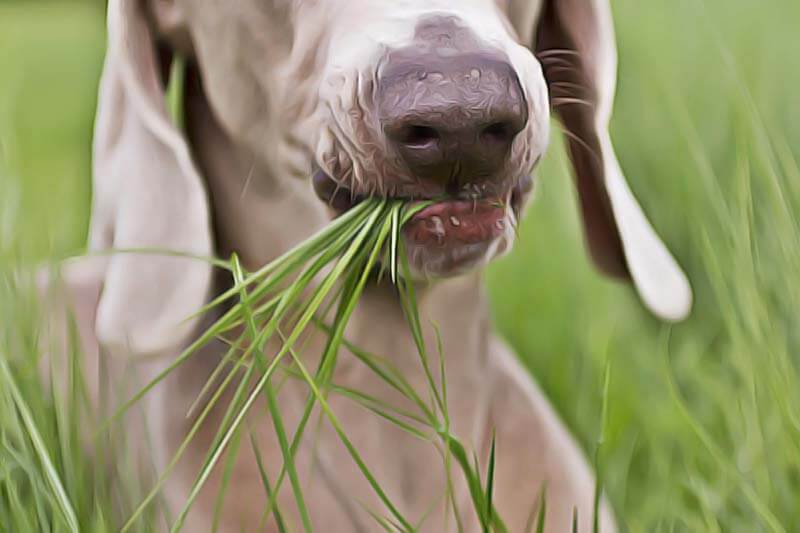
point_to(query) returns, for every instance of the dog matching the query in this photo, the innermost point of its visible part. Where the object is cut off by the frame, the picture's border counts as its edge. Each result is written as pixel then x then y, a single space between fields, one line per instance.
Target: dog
pixel 295 109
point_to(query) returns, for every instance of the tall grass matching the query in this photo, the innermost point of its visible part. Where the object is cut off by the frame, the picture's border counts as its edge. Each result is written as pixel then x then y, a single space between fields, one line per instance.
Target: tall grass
pixel 281 300
pixel 701 431
pixel 702 418
pixel 48 481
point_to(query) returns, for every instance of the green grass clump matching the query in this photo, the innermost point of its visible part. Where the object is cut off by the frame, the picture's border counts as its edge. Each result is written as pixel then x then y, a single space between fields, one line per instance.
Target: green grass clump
pixel 48 481
pixel 280 301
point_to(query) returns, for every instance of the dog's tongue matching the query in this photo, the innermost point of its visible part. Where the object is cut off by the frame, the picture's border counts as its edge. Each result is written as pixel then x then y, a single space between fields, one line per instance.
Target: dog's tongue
pixel 464 221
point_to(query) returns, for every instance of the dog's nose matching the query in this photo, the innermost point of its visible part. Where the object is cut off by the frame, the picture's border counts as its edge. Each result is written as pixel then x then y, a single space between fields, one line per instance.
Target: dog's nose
pixel 451 118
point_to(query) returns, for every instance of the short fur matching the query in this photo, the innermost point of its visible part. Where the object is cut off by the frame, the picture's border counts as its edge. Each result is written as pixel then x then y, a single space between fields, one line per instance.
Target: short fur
pixel 276 89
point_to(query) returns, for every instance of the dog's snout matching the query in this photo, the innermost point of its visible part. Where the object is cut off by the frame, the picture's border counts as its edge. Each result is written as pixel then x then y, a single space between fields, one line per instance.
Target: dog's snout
pixel 451 117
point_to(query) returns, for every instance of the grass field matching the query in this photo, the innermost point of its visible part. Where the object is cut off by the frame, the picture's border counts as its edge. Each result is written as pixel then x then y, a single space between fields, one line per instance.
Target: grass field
pixel 704 417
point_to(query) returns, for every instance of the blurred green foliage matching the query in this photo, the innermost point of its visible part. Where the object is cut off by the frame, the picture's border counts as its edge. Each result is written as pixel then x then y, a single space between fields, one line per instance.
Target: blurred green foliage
pixel 50 63
pixel 707 127
pixel 704 420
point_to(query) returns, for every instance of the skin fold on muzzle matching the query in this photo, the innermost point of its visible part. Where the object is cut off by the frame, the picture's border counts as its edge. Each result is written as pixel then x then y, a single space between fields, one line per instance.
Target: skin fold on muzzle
pixel 440 100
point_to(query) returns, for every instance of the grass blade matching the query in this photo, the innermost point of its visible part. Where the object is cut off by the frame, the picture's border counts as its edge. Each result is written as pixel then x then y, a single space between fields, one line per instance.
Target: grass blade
pixel 50 473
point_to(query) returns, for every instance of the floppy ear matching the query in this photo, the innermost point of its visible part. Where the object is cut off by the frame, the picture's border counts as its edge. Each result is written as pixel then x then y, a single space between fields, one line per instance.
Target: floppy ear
pixel 575 44
pixel 148 194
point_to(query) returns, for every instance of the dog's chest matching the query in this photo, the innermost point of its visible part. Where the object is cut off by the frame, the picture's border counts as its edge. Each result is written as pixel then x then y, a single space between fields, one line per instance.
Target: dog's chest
pixel 410 470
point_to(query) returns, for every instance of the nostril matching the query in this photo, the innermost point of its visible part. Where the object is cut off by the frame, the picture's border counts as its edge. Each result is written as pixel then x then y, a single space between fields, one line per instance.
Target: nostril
pixel 498 132
pixel 418 136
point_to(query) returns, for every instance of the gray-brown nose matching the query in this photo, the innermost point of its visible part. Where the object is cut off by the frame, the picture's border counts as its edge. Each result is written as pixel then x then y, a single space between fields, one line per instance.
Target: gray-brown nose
pixel 451 118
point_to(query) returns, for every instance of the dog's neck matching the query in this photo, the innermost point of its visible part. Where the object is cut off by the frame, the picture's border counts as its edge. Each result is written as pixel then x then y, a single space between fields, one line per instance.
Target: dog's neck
pixel 260 214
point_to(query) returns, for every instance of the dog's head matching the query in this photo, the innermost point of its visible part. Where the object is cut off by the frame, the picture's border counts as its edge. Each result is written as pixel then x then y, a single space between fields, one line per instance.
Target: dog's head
pixel 436 100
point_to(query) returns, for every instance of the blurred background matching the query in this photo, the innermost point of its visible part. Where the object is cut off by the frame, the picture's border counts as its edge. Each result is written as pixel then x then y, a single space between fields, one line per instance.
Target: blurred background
pixel 703 429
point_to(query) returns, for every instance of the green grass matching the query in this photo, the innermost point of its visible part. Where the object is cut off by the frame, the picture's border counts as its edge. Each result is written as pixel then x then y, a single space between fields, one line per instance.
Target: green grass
pixel 702 429
pixel 47 480
pixel 281 296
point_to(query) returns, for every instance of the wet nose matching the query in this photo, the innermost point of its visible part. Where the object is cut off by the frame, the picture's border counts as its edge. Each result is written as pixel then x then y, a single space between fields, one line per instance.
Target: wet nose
pixel 451 119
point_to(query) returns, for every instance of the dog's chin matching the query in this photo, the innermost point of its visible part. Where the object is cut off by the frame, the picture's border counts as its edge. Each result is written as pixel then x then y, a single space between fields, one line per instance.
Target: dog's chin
pixel 451 236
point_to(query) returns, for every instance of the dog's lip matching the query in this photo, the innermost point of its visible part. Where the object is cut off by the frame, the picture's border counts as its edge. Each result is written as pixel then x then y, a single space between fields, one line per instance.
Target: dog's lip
pixel 451 235
pixel 340 198
pixel 457 222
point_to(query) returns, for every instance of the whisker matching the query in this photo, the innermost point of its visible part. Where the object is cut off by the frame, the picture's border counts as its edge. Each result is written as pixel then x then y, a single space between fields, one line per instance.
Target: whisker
pixel 568 84
pixel 553 60
pixel 584 144
pixel 557 51
pixel 559 102
pixel 553 70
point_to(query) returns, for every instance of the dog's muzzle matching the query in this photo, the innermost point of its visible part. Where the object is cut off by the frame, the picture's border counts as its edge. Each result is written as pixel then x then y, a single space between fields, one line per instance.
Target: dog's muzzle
pixel 448 110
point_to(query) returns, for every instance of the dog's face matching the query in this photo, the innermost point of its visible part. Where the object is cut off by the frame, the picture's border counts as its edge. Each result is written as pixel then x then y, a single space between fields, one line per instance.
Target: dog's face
pixel 415 99
pixel 434 100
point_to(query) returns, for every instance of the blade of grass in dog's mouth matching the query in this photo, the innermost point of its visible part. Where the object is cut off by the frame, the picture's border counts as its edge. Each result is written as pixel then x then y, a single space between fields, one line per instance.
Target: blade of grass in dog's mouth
pixel 278 302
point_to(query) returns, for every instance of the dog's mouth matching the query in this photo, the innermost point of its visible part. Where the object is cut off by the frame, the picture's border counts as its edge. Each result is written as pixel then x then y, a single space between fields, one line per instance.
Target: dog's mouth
pixel 453 234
